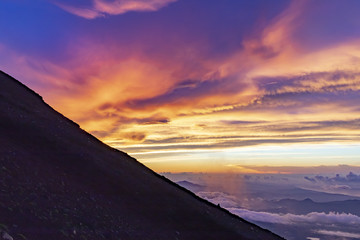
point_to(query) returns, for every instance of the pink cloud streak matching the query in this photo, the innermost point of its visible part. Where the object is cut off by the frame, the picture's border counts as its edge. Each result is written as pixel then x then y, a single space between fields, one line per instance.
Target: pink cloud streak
pixel 100 8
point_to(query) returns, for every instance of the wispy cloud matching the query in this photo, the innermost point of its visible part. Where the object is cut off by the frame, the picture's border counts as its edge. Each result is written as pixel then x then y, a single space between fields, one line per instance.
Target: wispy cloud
pixel 301 170
pixel 339 234
pixel 88 13
pixel 101 8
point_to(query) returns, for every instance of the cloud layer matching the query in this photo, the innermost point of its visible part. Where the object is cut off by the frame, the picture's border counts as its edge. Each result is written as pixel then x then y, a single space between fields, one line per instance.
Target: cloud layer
pixel 314 217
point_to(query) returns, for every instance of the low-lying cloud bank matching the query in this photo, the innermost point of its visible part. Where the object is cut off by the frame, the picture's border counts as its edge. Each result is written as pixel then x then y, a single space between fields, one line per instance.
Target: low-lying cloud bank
pixel 351 177
pixel 223 199
pixel 289 219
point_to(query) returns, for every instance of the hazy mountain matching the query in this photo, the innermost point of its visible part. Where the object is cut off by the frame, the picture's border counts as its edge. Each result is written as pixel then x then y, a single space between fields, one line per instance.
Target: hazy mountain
pixel 191 186
pixel 59 182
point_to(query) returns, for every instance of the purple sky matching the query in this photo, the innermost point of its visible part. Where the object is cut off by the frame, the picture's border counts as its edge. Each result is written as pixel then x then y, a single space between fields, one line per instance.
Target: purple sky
pixel 171 81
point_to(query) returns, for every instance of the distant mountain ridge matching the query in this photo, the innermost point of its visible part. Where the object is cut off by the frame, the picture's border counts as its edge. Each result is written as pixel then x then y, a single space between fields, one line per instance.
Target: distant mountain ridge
pixel 59 182
pixel 191 186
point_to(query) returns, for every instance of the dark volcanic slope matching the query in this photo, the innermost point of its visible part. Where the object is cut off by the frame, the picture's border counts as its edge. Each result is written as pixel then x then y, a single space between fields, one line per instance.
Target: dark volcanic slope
pixel 59 182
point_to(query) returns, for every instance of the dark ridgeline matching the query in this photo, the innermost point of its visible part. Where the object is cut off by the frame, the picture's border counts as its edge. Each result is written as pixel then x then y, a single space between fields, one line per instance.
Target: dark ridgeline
pixel 59 182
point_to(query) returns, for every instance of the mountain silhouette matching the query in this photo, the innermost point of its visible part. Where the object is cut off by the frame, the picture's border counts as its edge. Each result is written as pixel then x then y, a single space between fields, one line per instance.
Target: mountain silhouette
pixel 59 182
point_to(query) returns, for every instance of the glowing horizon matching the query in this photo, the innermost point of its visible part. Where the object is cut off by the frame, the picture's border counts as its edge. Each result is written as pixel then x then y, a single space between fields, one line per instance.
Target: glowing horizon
pixel 197 86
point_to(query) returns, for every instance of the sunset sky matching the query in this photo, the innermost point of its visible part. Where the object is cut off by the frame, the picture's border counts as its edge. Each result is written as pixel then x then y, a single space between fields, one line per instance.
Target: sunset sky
pixel 197 85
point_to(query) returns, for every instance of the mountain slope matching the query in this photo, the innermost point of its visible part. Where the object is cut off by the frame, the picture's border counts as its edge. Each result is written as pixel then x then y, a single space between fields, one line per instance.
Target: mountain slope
pixel 59 182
